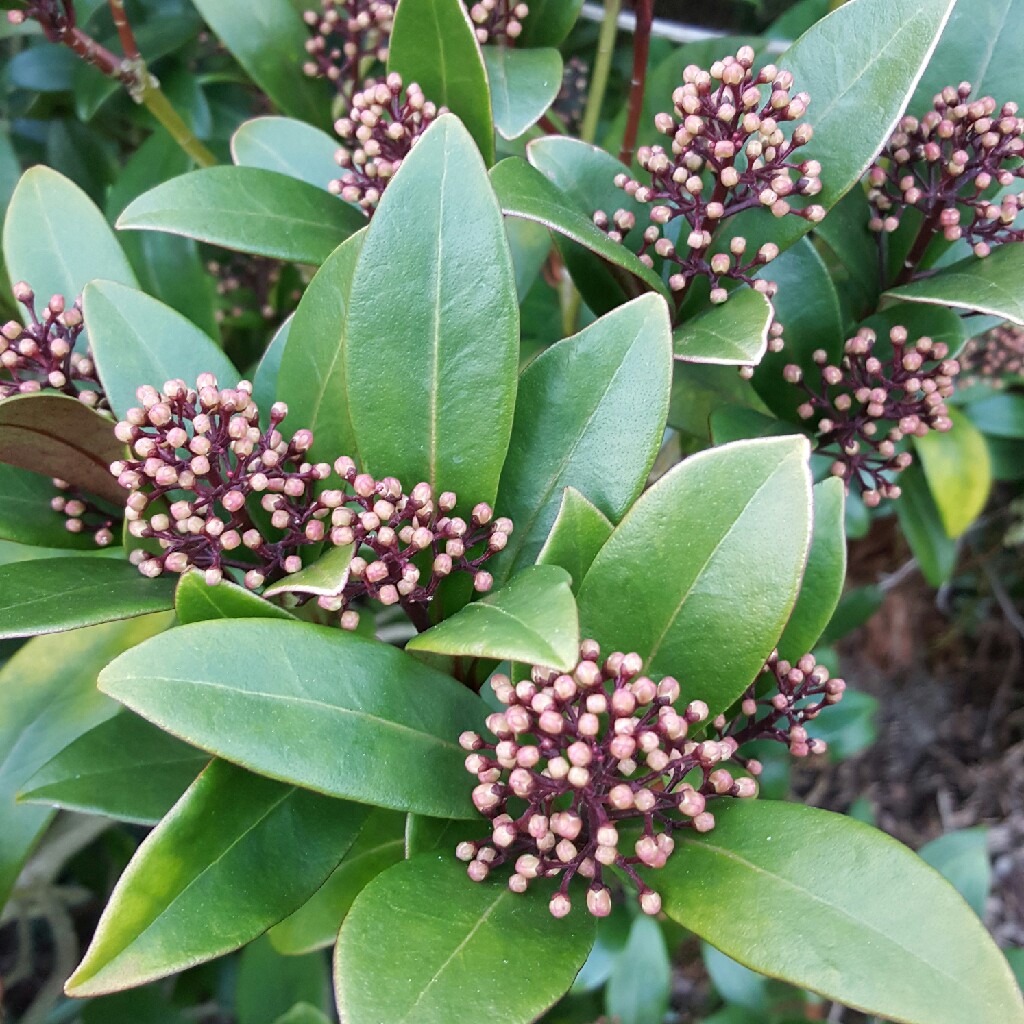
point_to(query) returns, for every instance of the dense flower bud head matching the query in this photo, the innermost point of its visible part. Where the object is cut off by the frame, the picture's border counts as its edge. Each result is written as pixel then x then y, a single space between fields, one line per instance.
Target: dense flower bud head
pixel 497 21
pixel 995 357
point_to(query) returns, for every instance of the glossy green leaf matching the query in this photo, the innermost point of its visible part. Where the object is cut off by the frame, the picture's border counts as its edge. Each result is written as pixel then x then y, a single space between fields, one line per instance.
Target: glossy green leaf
pixel 737 423
pixel 124 768
pixel 962 858
pixel 151 1003
pixel 640 983
pixel 990 285
pixel 312 378
pixel 811 872
pixel 272 847
pixel 579 531
pixel 196 601
pixel 270 984
pixel 845 232
pixel 269 39
pixel 137 340
pixel 590 414
pixel 61 437
pixel 549 22
pixel 525 192
pixel 530 244
pixel 919 518
pixel 423 943
pixel 982 44
pixel 524 83
pixel 733 334
pixel 999 415
pixel 850 728
pixel 54 594
pixel 303 1013
pixel 612 936
pixel 247 209
pixel 959 472
pixel 55 239
pixel 333 696
pixel 326 577
pixel 315 924
pixel 287 146
pixel 822 584
pixel 532 619
pixel 10 552
pixel 26 516
pixel 264 380
pixel 433 43
pixel 737 985
pixel 703 572
pixel 433 324
pixel 48 698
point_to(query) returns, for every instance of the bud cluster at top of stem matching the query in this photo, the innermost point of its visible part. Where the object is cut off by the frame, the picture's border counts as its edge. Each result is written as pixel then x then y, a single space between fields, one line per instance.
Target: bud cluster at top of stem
pixel 498 21
pixel 728 154
pixel 379 133
pixel 864 407
pixel 41 356
pixel 947 165
pixel 994 356
pixel 595 768
pixel 82 513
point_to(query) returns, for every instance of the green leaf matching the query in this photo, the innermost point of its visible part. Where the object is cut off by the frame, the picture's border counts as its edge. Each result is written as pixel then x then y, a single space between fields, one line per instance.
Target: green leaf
pixel 549 22
pixel 26 516
pixel 61 437
pixel 850 728
pixel 312 378
pixel 423 943
pixel 579 531
pixel 137 340
pixel 269 41
pixel 247 209
pixel 736 984
pixel 590 414
pixel 433 323
pixel 962 859
pixel 55 239
pixel 332 696
pixel 919 519
pixel 48 698
pixel 272 847
pixel 287 146
pixel 639 987
pixel 524 83
pixel 196 601
pixel 315 924
pixel 811 872
pixel 270 984
pixel 998 416
pixel 958 470
pixel 990 285
pixel 532 619
pixel 264 380
pixel 124 768
pixel 303 1013
pixel 822 585
pixel 733 334
pixel 982 44
pixel 56 594
pixel 702 574
pixel 151 1004
pixel 326 577
pixel 530 244
pixel 433 44
pixel 845 232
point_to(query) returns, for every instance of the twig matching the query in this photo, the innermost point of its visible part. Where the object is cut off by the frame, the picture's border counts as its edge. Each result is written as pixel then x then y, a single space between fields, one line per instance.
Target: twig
pixel 638 82
pixel 124 30
pixel 602 69
pixel 1009 609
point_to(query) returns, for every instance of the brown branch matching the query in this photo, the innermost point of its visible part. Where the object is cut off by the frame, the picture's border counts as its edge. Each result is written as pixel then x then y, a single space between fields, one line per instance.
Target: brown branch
pixel 124 30
pixel 638 83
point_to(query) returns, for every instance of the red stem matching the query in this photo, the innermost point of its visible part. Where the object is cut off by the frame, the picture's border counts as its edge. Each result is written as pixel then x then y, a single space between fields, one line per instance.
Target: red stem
pixel 124 30
pixel 637 86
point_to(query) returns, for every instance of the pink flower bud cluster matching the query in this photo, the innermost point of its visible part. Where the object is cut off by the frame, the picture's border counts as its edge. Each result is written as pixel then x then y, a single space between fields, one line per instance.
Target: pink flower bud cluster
pixel 41 356
pixel 582 756
pixel 202 465
pixel 571 100
pixel 781 713
pixel 497 21
pixel 946 165
pixel 345 34
pixel 252 285
pixel 378 134
pixel 994 356
pixel 728 153
pixel 55 17
pixel 82 514
pixel 864 407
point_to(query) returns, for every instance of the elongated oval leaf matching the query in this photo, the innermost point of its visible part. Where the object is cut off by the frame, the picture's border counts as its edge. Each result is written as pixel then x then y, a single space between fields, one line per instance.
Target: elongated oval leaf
pixel 353 718
pixel 287 146
pixel 962 858
pixel 640 982
pixel 272 847
pixel 990 285
pixel 733 334
pixel 999 416
pixel 312 379
pixel 433 324
pixel 590 414
pixel 524 83
pixel 196 601
pixel 579 531
pixel 921 524
pixel 62 437
pixel 549 22
pixel 52 594
pixel 264 380
pixel 422 943
pixel 124 768
pixel 702 574
pixel 433 44
pixel 811 872
pixel 55 239
pixel 137 340
pixel 326 577
pixel 25 513
pixel 533 619
pixel 247 209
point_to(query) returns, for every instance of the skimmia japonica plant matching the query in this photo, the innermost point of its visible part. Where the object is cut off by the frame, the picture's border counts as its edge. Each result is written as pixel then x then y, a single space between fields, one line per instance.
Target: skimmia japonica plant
pixel 426 467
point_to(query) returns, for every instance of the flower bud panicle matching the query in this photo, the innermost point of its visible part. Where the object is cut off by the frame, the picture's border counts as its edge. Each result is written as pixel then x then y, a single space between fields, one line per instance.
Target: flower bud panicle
pixel 993 357
pixel 497 21
pixel 344 35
